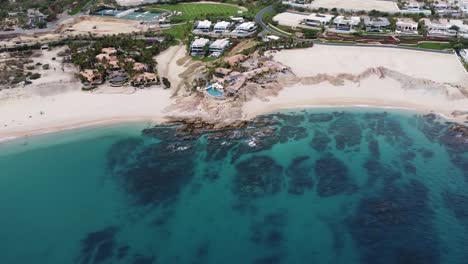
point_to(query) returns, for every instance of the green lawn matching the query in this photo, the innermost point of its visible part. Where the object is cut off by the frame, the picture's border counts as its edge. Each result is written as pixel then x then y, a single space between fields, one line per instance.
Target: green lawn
pixel 195 11
pixel 179 32
pixel 432 45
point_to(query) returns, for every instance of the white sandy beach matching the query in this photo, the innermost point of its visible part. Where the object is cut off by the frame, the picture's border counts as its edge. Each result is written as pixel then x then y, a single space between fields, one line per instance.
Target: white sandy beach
pixel 41 114
pixel 433 70
pixel 325 76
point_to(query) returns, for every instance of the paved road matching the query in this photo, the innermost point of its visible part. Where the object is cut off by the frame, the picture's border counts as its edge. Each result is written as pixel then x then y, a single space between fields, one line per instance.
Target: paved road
pixel 266 28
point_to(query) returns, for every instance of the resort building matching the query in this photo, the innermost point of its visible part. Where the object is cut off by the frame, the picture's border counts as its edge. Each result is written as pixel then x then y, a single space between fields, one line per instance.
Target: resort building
pixel 198 46
pixel 405 25
pixel 221 27
pixel 204 26
pixel 233 60
pixel 217 47
pixel 103 56
pixel 317 20
pixel 144 79
pixel 376 24
pixel 246 27
pixel 346 23
pixel 439 27
pixel 109 50
pixel 139 67
pixel 462 27
pixel 92 77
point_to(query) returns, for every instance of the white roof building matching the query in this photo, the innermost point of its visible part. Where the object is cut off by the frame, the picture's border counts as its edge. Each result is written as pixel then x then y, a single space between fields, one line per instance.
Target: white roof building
pixel 237 19
pixel 222 26
pixel 340 21
pixel 316 19
pixel 406 25
pixel 462 28
pixel 438 27
pixel 198 45
pixel 204 25
pixel 246 27
pixel 463 5
pixel 464 55
pixel 219 45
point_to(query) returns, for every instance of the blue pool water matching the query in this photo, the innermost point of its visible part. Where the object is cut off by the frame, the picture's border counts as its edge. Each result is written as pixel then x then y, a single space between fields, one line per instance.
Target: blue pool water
pixel 214 92
pixel 335 186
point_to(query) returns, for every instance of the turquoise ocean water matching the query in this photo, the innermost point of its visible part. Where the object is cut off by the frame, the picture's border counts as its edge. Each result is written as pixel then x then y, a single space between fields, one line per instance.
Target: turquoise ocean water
pixel 310 186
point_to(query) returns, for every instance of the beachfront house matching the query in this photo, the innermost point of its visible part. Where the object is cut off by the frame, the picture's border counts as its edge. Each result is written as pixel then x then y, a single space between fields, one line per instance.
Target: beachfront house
pixel 197 48
pixel 346 23
pixel 439 27
pixel 376 24
pixel 221 27
pixel 246 28
pixel 204 26
pixel 405 25
pixel 318 20
pixel 109 50
pixel 233 60
pixel 144 79
pixel 91 77
pixel 218 47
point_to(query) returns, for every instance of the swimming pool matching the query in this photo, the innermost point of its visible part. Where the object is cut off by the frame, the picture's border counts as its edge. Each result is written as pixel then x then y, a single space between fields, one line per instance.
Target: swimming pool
pixel 213 92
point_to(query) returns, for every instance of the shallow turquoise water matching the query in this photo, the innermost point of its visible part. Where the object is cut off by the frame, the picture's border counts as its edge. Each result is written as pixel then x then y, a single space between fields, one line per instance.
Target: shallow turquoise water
pixel 358 186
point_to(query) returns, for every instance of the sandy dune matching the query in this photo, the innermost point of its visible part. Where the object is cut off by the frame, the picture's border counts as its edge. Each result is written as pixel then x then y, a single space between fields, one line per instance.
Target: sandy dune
pixel 420 81
pixel 437 67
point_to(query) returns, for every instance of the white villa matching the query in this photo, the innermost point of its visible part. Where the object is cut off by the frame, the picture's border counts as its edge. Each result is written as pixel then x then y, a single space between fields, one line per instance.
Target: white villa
pixel 246 27
pixel 462 28
pixel 463 5
pixel 204 25
pixel 217 47
pixel 405 25
pixel 317 20
pixel 464 55
pixel 198 46
pixel 439 27
pixel 346 23
pixel 221 27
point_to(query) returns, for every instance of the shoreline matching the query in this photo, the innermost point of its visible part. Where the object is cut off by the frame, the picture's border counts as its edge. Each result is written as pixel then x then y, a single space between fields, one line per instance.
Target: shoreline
pixel 8 137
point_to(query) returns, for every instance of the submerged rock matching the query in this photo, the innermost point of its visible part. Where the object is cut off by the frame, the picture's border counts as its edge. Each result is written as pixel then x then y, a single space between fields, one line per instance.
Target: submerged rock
pixel 395 225
pixel 458 204
pixel 290 132
pixel 258 176
pixel 300 175
pixel 346 130
pixel 320 141
pixel 333 177
pixel 98 246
